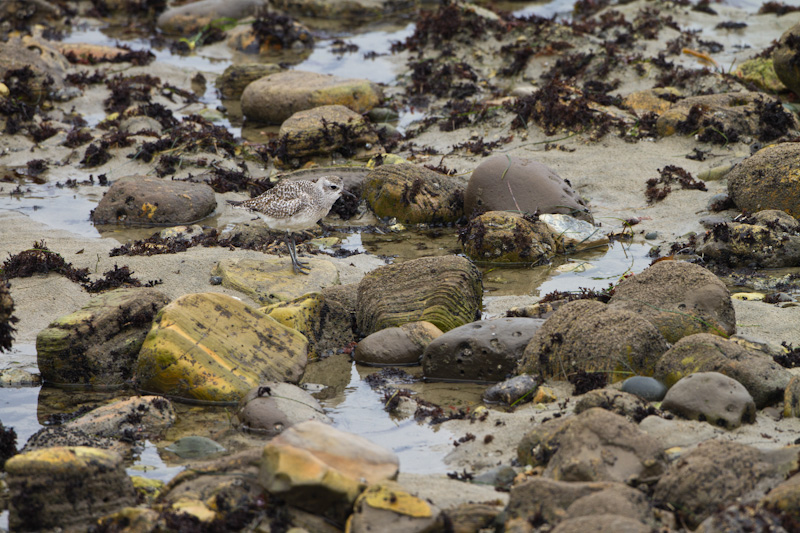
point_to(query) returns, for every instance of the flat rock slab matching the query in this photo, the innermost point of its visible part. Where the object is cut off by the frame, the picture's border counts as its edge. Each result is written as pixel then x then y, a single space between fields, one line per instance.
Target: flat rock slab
pixel 272 279
pixel 711 397
pixel 213 348
pixel 274 98
pixel 146 200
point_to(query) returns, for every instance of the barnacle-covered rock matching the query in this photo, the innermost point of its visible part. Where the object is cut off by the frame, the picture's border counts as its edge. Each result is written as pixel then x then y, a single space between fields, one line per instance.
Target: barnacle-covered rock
pixel 506 237
pixel 213 348
pixel 413 194
pixel 445 291
pixel 232 82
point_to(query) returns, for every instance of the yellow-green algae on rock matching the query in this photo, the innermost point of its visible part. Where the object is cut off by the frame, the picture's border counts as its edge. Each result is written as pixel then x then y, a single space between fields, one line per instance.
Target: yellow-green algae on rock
pixel 213 348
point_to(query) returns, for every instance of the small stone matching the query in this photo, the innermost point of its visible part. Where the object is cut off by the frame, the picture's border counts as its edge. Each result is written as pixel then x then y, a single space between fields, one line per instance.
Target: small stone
pixel 195 447
pixel 651 235
pixel 645 387
pixel 215 280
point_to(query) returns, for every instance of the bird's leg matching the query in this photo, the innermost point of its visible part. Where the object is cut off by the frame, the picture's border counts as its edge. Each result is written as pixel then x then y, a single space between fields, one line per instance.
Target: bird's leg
pixel 298 266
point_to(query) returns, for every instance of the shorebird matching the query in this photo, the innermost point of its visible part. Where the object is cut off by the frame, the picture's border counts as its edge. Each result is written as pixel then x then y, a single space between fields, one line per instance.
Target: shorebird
pixel 294 205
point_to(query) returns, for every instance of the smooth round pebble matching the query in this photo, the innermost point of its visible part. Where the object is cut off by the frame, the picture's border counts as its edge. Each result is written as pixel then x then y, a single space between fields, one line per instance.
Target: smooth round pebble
pixel 644 387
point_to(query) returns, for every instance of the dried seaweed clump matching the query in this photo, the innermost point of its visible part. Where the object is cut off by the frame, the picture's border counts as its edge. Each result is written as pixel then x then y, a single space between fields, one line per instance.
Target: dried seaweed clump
pixel 279 32
pixel 40 260
pixel 119 277
pixel 659 188
pixel 449 22
pixel 193 134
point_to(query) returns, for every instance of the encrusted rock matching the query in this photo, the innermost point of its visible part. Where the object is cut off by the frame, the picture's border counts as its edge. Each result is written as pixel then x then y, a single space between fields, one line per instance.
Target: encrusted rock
pixel 760 71
pixel 274 98
pixel 573 234
pixel 413 194
pixel 65 487
pixel 784 59
pixel 768 239
pixel 138 417
pixel 190 18
pixel 31 69
pixel 763 378
pixel 738 518
pixel 53 436
pixel 785 498
pixel 274 407
pixel 353 10
pixel 621 403
pixel 519 389
pixel 146 200
pixel 7 318
pixel 232 82
pixel 505 237
pixel 679 298
pixel 589 336
pixel 388 507
pixel 212 347
pixel 402 345
pixel 98 345
pixel 720 472
pixel 791 398
pixel 322 469
pixel 656 100
pixel 485 350
pixel 506 183
pixel 711 397
pixel 595 445
pixel 273 34
pixel 445 291
pixel 769 179
pixel 602 523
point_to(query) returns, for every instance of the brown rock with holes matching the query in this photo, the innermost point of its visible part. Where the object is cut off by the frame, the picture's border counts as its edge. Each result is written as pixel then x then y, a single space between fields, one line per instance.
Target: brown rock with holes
pixel 679 299
pixel 569 343
pixel 505 237
pixel 145 200
pixel 769 179
pixel 506 183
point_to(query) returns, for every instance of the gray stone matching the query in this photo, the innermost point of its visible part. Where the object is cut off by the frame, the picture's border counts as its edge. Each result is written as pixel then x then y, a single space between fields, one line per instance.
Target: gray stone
pixel 590 336
pixel 519 389
pixel 738 518
pixel 711 397
pixel 98 344
pixel 764 379
pixel 195 447
pixel 784 59
pixel 505 183
pixel 273 407
pixel 603 523
pixel 401 345
pixel 645 387
pixel 619 500
pixel 769 179
pixel 679 298
pixel 190 18
pixel 146 200
pixel 486 350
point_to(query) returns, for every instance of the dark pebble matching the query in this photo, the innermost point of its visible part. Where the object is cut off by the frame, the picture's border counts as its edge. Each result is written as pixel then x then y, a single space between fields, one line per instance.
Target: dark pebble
pixel 649 389
pixel 215 280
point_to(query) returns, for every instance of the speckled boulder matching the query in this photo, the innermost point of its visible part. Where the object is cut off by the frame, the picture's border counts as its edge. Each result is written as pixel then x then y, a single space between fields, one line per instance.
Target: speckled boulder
pixel 767 239
pixel 486 350
pixel 413 194
pixel 595 445
pixel 505 237
pixel 402 345
pixel 717 473
pixel 506 183
pixel 590 336
pixel 274 98
pixel 98 344
pixel 445 291
pixel 769 179
pixel 190 18
pixel 146 200
pixel 274 407
pixel 65 487
pixel 711 397
pixel 763 378
pixel 212 347
pixel 679 299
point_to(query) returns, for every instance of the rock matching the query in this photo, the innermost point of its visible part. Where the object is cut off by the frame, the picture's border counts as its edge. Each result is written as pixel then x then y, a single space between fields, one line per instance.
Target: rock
pixel 145 200
pixel 647 388
pixel 232 82
pixel 470 517
pixel 718 473
pixel 784 59
pixel 505 183
pixel 140 124
pixel 445 291
pixel 326 324
pixel 504 237
pixel 322 469
pixel 273 34
pixel 763 378
pixel 139 417
pixel 791 398
pixel 739 518
pixel 195 447
pixel 784 499
pixel 618 499
pixel 413 194
pixel 603 523
pixel 131 519
pixel 569 342
pixel 519 389
pixel 325 130
pixel 98 345
pixel 679 298
pixel 595 445
pixel 353 11
pixel 760 71
pixel 59 436
pixel 273 407
pixel 43 488
pixel 679 433
pixel 485 350
pixel 191 18
pixel 17 377
pixel 387 507
pixel 630 406
pixel 402 345
pixel 274 98
pixel 272 280
pixel 769 179
pixel 572 234
pixel 722 118
pixel 652 100
pixel 212 347
pixel 31 69
pixel 768 239
pixel 711 397
pixel 7 318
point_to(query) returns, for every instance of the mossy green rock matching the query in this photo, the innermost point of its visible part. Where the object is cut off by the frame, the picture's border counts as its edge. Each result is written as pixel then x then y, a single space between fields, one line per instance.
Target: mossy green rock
pixel 761 72
pixel 505 237
pixel 98 344
pixel 213 348
pixel 413 194
pixel 445 291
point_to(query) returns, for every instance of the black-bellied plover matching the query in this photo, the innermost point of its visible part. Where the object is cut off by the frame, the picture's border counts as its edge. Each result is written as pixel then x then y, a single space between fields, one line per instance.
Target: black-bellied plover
pixel 294 205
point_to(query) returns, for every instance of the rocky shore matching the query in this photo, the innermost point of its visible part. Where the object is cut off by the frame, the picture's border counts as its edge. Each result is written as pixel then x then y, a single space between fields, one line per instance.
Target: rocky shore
pixel 665 400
